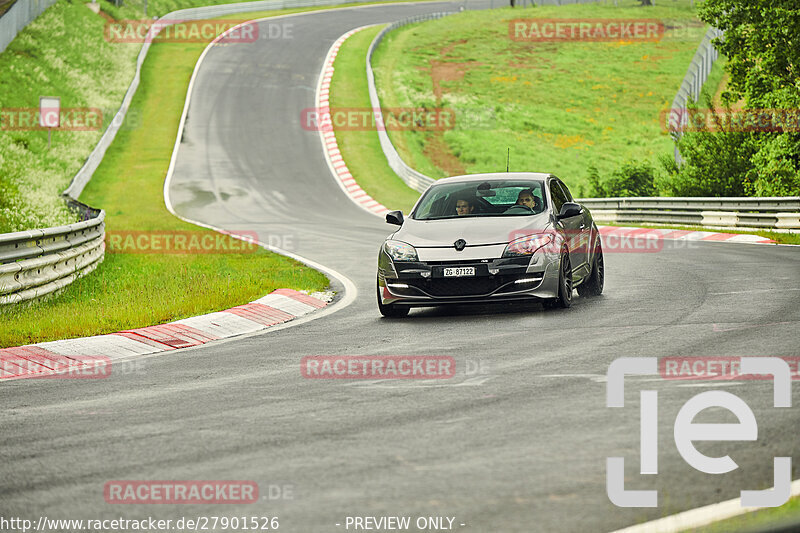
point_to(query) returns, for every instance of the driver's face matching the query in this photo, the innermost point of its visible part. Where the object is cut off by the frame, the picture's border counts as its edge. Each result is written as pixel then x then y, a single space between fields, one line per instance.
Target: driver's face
pixel 526 199
pixel 463 207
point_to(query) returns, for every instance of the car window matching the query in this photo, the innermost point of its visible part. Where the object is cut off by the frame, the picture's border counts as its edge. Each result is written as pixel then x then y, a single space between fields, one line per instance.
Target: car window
pixel 567 194
pixel 558 196
pixel 487 198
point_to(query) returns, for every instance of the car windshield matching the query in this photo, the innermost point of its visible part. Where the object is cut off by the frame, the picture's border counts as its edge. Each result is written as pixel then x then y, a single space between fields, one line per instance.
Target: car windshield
pixel 493 198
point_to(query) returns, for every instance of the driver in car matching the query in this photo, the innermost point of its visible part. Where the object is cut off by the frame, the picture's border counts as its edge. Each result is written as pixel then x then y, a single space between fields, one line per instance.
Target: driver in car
pixel 526 198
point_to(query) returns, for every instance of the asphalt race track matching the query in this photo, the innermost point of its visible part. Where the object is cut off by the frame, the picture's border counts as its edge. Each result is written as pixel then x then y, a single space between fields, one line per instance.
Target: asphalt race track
pixel 517 441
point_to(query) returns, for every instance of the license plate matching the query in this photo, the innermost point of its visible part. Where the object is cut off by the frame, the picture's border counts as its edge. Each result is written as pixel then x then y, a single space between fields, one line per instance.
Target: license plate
pixel 458 272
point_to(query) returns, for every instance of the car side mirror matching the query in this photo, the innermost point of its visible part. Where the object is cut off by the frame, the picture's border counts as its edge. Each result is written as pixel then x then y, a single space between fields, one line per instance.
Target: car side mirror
pixel 395 217
pixel 569 210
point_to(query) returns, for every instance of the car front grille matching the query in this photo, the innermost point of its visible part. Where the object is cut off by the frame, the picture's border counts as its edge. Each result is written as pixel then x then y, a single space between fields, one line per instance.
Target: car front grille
pixel 462 286
pixel 472 286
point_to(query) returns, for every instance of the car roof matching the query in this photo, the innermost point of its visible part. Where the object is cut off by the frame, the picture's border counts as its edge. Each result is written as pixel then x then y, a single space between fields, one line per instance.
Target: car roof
pixel 496 176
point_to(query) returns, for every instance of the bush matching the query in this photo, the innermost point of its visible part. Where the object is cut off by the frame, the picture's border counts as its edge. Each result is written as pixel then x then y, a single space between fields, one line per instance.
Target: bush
pixel 727 162
pixel 631 179
pixel 777 166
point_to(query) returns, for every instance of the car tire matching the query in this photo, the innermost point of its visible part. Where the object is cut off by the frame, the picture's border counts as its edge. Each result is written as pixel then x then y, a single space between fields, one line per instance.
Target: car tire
pixel 564 299
pixel 391 310
pixel 594 285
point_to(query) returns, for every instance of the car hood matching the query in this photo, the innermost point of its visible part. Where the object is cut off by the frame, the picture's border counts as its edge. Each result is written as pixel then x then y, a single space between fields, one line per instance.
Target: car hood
pixel 476 231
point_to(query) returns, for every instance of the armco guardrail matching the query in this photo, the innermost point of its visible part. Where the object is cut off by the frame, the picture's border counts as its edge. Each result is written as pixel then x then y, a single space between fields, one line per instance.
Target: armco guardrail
pixel 781 213
pixel 18 16
pixel 38 262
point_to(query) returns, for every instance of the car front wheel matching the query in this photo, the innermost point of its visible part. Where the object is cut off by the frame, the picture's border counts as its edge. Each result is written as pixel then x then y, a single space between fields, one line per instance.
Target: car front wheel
pixel 564 298
pixel 594 285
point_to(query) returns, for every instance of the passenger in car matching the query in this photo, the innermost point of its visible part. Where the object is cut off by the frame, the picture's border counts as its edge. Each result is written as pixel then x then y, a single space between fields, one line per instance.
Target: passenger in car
pixel 465 206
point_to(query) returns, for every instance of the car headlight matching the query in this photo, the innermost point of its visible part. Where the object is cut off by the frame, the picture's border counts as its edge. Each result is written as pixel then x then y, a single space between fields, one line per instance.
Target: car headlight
pixel 400 251
pixel 527 245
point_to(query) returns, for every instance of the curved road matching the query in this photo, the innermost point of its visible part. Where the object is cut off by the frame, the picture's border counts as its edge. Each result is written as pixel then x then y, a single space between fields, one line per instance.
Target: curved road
pixel 517 441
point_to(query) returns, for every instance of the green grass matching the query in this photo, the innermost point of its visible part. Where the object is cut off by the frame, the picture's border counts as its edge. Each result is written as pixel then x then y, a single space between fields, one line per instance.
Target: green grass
pixel 716 81
pixel 559 107
pixel 62 53
pixel 788 513
pixel 361 149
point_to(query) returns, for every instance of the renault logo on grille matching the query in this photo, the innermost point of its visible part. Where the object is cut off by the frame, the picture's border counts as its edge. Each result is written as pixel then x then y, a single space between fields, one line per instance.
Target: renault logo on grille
pixel 460 244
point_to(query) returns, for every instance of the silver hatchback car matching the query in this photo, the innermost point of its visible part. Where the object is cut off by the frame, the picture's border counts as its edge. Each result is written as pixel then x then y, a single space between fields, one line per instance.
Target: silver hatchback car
pixel 486 238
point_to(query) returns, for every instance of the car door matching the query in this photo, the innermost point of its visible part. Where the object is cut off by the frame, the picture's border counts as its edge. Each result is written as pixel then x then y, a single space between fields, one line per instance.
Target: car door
pixel 583 236
pixel 570 227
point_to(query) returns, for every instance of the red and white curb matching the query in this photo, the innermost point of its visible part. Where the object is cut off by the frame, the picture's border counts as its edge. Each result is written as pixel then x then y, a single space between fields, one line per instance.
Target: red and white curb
pixel 79 355
pixel 329 145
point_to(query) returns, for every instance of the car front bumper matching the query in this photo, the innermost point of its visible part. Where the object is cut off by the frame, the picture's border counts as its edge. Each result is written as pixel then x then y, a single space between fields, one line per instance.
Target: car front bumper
pixel 420 284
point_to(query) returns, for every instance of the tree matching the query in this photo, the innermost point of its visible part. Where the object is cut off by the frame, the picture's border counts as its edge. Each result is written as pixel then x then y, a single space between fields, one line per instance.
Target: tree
pixel 762 44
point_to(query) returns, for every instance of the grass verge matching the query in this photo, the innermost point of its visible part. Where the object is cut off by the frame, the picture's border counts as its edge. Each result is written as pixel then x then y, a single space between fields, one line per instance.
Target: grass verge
pixel 761 520
pixel 361 149
pixel 560 107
